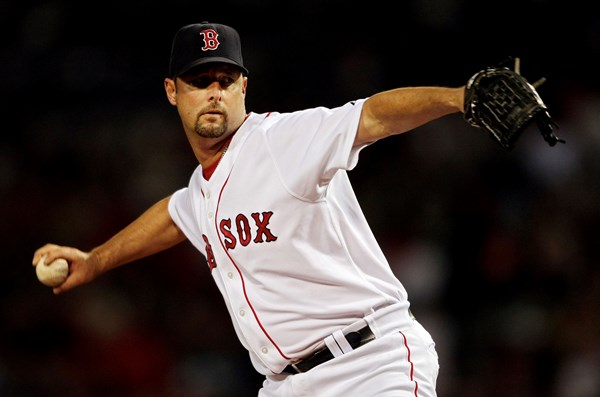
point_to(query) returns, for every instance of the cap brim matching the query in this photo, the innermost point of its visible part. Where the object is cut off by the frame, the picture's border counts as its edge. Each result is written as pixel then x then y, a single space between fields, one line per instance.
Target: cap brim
pixel 204 61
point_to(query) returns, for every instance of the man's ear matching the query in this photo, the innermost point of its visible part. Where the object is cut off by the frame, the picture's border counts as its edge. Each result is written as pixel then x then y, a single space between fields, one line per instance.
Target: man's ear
pixel 245 85
pixel 171 91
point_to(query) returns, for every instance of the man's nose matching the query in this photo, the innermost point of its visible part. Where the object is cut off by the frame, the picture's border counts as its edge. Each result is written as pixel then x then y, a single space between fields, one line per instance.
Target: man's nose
pixel 215 91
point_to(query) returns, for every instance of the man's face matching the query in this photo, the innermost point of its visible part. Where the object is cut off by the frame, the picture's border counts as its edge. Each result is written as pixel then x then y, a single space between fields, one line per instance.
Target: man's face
pixel 210 99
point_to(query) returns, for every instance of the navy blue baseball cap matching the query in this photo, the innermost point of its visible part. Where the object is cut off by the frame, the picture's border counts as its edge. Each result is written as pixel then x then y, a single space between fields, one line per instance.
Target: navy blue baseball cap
pixel 202 43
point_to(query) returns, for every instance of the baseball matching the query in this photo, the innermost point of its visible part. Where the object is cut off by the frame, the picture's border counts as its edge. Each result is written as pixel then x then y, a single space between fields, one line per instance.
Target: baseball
pixel 53 274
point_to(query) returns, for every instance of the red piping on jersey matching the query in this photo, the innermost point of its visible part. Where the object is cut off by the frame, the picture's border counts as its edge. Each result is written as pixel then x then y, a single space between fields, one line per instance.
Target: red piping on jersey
pixel 412 366
pixel 242 277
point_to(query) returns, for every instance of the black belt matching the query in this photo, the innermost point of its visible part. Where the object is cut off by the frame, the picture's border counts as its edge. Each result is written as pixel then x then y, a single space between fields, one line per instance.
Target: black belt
pixel 355 339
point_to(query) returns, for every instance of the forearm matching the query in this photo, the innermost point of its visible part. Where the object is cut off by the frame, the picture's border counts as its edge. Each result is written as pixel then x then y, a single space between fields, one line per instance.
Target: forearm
pixel 403 109
pixel 152 232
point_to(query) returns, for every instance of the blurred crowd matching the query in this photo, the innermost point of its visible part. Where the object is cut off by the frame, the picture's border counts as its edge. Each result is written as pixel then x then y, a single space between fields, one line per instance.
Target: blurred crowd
pixel 498 251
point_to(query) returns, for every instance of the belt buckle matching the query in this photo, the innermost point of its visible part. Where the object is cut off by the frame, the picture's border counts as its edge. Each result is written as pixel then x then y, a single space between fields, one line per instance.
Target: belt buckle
pixel 354 338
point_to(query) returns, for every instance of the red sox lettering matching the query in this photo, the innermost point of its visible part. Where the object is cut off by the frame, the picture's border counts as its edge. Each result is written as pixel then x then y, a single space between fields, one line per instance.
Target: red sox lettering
pixel 244 230
pixel 210 257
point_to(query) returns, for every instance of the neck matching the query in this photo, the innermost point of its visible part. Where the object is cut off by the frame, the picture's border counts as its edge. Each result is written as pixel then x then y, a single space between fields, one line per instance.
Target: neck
pixel 212 154
pixel 210 150
pixel 209 167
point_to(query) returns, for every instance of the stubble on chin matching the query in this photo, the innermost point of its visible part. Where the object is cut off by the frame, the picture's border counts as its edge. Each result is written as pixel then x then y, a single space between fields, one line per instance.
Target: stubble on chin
pixel 211 129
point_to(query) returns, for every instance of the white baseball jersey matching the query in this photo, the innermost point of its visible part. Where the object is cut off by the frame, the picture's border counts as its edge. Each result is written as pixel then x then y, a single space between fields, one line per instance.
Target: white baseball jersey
pixel 284 236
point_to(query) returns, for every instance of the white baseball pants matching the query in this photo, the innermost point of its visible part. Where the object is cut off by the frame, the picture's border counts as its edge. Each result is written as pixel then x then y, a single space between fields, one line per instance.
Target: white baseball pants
pixel 402 363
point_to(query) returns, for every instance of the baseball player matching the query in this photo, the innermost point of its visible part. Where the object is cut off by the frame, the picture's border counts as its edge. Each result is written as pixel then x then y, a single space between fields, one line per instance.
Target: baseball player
pixel 270 206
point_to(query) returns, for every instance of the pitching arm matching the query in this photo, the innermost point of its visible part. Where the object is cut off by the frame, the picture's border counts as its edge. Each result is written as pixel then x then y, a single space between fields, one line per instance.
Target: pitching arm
pixel 152 232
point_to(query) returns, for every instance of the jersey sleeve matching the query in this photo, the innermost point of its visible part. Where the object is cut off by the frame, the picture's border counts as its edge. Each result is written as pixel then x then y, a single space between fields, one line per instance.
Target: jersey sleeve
pixel 182 212
pixel 310 146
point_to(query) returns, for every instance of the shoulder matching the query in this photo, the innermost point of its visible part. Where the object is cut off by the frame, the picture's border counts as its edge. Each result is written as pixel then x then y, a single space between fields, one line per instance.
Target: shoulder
pixel 306 117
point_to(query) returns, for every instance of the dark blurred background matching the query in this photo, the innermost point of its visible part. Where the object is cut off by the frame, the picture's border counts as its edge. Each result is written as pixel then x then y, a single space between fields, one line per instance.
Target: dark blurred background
pixel 498 251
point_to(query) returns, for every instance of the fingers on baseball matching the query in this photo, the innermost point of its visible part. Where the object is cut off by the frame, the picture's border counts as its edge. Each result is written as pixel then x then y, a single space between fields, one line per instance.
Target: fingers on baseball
pixel 47 253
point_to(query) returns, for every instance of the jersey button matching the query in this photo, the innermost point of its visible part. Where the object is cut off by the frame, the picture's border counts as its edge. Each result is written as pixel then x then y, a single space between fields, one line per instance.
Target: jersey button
pixel 210 214
pixel 230 274
pixel 264 349
pixel 208 194
pixel 242 312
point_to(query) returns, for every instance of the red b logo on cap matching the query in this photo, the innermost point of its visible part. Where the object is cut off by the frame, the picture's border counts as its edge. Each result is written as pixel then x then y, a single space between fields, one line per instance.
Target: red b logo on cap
pixel 210 39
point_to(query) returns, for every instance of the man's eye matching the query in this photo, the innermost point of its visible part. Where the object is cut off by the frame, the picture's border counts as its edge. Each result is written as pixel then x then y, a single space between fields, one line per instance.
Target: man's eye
pixel 204 82
pixel 226 81
pixel 201 82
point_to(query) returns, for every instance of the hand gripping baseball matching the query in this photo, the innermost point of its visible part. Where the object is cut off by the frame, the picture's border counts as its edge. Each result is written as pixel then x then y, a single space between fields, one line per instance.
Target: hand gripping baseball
pixel 503 103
